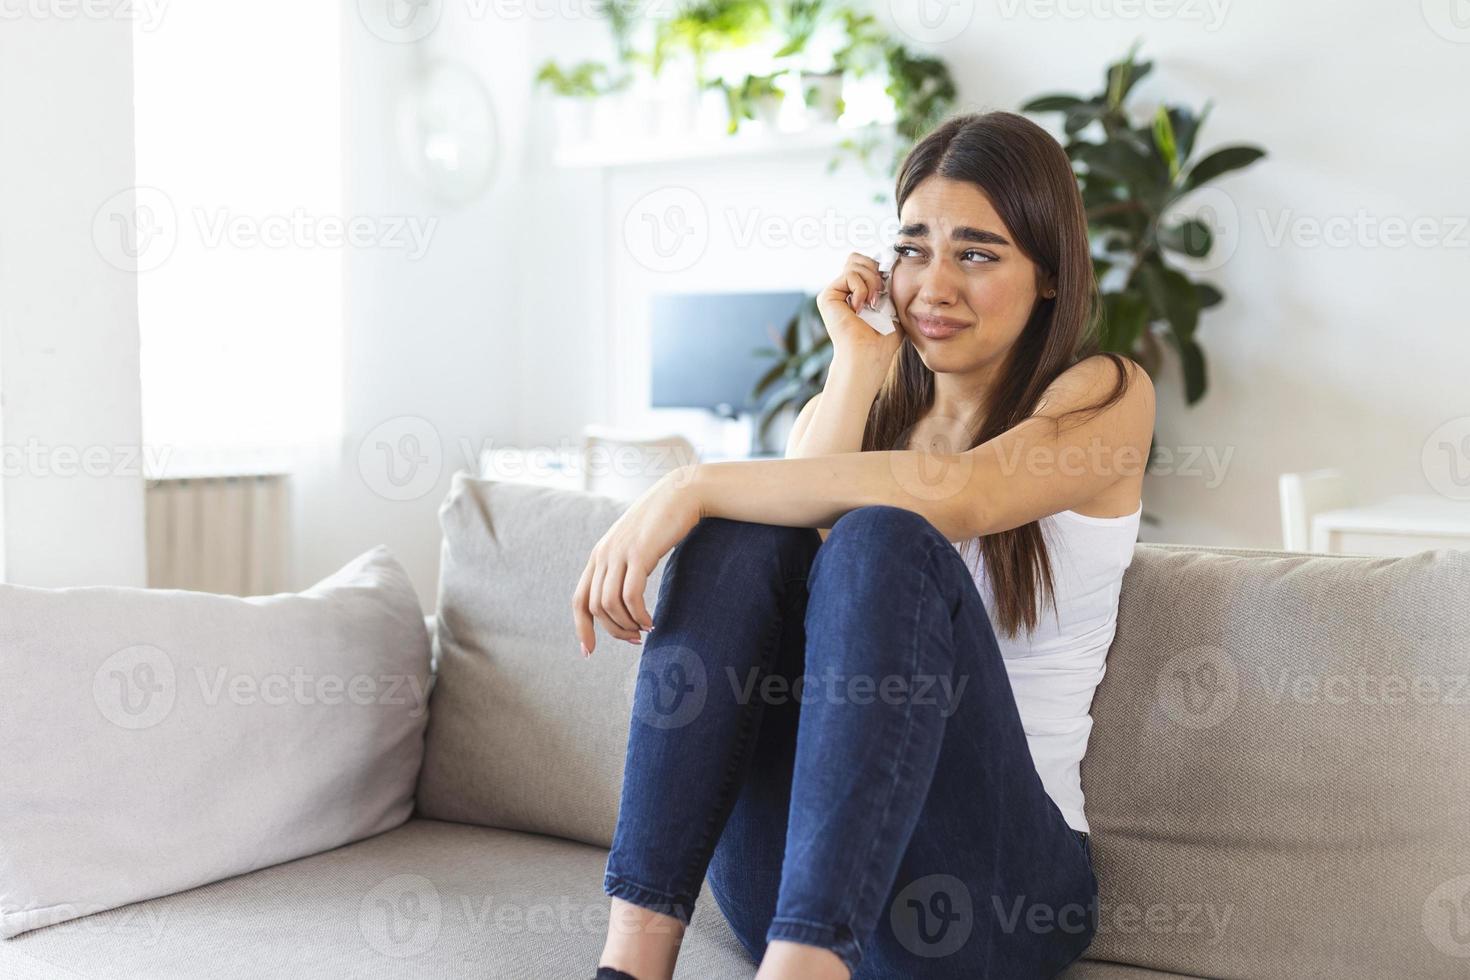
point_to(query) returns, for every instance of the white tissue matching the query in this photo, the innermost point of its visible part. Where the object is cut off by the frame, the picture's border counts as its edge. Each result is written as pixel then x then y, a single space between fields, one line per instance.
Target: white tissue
pixel 882 318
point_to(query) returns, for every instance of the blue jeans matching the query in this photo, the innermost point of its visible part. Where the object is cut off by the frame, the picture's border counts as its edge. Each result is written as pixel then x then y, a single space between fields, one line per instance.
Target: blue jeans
pixel 827 730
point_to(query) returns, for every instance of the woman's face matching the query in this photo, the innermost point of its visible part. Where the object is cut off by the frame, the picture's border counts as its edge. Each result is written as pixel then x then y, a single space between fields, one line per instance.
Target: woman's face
pixel 963 291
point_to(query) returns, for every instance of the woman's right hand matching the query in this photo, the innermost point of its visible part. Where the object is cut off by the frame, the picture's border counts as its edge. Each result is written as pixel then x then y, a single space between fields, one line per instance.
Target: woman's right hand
pixel 852 338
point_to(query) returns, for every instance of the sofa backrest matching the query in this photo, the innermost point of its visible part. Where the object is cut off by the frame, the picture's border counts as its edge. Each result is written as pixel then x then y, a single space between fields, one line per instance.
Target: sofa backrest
pixel 1276 780
pixel 524 733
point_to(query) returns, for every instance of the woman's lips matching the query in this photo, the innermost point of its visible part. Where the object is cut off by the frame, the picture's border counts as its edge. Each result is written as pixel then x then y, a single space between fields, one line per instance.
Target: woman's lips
pixel 938 328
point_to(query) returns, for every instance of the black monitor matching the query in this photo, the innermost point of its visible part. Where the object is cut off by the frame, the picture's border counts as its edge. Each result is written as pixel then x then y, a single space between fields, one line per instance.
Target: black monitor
pixel 703 347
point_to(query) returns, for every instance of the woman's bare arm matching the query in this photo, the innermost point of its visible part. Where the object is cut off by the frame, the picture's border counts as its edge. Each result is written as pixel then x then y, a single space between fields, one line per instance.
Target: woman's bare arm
pixel 836 417
pixel 833 421
pixel 1032 470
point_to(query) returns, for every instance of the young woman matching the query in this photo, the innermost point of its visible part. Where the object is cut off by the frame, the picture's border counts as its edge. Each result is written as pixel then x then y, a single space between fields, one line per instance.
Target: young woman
pixel 868 738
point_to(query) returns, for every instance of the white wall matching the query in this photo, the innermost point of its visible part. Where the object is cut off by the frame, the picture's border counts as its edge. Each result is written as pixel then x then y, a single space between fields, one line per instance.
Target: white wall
pixel 510 327
pixel 1324 354
pixel 1346 355
pixel 72 477
pixel 430 351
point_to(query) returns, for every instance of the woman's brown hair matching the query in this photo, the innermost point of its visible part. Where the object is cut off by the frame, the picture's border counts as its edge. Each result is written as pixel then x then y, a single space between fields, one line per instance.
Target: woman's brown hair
pixel 1028 179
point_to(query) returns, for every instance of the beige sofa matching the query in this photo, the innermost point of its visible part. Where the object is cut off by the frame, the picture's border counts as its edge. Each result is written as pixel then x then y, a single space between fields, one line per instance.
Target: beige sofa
pixel 1277 784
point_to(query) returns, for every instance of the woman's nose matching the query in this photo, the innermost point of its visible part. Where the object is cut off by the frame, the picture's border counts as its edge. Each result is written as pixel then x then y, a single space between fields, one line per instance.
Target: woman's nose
pixel 937 286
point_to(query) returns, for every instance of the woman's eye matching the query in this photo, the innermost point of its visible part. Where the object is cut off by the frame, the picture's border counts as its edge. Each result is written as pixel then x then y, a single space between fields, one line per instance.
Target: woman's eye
pixel 981 256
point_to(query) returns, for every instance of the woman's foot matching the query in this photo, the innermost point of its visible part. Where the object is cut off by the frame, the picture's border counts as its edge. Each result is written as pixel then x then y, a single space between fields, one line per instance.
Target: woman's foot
pixel 798 961
pixel 641 943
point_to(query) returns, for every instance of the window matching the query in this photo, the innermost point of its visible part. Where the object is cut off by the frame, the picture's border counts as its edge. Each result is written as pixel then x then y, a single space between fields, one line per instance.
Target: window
pixel 240 232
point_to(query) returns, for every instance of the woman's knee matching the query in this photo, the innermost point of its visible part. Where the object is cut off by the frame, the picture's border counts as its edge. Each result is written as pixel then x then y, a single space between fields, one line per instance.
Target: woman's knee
pixel 725 541
pixel 883 525
pixel 871 547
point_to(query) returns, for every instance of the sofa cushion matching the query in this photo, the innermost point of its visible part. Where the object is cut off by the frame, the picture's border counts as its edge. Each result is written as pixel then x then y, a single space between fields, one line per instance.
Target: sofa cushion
pixel 1247 819
pixel 1277 779
pixel 428 900
pixel 170 738
pixel 524 733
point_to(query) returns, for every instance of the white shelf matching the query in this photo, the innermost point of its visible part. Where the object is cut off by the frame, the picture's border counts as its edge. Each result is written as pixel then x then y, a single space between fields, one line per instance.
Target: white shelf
pixel 747 142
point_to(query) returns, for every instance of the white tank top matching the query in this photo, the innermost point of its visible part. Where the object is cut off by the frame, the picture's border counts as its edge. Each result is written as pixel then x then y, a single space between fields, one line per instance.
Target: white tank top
pixel 1055 669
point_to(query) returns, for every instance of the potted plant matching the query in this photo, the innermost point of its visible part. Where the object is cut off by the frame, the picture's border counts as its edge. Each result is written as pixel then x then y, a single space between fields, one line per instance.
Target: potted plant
pixel 821 89
pixel 1132 178
pixel 701 27
pixel 573 91
pixel 756 98
pixel 803 353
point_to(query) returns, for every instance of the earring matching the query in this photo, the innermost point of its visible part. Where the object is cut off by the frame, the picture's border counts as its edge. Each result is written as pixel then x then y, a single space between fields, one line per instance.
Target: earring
pixel 1050 293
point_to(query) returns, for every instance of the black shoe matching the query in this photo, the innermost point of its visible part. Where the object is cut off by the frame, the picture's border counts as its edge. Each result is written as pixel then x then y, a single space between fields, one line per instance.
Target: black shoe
pixel 608 973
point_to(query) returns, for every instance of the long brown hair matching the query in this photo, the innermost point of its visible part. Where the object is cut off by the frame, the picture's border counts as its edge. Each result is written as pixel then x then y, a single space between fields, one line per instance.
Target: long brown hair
pixel 1028 179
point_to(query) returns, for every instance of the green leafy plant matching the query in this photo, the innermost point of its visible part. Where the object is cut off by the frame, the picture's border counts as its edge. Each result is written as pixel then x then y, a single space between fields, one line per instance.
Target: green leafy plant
pixel 623 17
pixel 582 80
pixel 704 26
pixel 798 20
pixel 742 99
pixel 803 353
pixel 1130 176
pixel 921 87
pixel 866 46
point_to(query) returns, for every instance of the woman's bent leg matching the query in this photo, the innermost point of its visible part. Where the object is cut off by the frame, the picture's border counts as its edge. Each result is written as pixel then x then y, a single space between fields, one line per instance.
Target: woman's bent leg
pixel 726 592
pixel 745 870
pixel 915 803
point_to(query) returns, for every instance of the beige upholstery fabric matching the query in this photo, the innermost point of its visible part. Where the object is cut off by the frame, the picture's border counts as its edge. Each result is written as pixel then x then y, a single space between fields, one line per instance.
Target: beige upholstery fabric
pixel 524 733
pixel 168 739
pixel 429 900
pixel 1252 815
pixel 1277 776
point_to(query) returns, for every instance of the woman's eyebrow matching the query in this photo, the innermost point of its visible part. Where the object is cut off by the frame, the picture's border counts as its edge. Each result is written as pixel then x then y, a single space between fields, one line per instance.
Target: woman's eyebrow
pixel 963 234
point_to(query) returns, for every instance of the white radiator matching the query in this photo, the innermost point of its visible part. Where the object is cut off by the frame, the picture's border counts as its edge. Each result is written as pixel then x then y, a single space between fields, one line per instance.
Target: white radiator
pixel 222 534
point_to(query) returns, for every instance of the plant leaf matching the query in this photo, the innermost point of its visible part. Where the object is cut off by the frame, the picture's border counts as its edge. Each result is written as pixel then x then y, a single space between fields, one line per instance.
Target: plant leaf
pixel 775 373
pixel 1052 103
pixel 1171 295
pixel 1222 161
pixel 1192 362
pixel 1125 315
pixel 1123 76
pixel 1164 142
pixel 1185 125
pixel 1208 295
pixel 1191 236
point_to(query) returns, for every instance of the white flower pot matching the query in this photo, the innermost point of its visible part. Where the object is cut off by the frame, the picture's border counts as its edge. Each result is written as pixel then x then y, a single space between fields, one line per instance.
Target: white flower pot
pixel 573 118
pixel 822 93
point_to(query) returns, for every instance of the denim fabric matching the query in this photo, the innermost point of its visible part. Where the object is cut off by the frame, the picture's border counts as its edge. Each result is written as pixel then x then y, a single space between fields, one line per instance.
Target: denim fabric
pixel 827 731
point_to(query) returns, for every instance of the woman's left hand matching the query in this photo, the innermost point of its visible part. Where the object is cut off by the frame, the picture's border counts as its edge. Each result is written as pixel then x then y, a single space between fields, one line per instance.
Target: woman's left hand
pixel 611 588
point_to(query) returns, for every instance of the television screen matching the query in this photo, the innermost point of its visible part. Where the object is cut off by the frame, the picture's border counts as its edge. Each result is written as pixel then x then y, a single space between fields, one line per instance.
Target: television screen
pixel 703 346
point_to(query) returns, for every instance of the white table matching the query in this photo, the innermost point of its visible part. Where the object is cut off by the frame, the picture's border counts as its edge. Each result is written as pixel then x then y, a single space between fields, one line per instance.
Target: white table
pixel 1401 525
